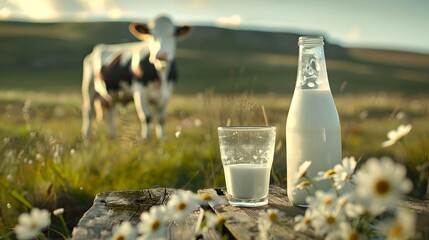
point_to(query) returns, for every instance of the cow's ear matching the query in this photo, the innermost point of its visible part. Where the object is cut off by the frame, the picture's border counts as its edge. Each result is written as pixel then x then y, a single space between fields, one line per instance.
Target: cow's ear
pixel 139 30
pixel 183 31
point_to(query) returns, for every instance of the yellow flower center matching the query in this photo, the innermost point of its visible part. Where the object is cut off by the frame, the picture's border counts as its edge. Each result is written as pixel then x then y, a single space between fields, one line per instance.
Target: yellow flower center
pixel 396 231
pixel 328 201
pixel 353 236
pixel 182 206
pixel 33 225
pixel 205 197
pixel 307 221
pixel 329 173
pixel 120 237
pixel 304 184
pixel 382 187
pixel 155 225
pixel 331 220
pixel 272 217
pixel 220 219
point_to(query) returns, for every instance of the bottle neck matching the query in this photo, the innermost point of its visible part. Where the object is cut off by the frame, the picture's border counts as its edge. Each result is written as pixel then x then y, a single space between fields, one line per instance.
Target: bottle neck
pixel 311 64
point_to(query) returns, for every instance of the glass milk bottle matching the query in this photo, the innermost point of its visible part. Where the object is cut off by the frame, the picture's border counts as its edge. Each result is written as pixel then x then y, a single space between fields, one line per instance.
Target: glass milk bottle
pixel 313 131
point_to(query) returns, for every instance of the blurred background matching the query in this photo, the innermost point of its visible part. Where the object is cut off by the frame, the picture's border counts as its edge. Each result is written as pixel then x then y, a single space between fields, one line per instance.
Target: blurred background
pixel 235 46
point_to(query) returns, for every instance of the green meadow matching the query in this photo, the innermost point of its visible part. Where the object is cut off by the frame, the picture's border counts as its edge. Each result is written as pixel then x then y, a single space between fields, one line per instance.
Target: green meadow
pixel 226 76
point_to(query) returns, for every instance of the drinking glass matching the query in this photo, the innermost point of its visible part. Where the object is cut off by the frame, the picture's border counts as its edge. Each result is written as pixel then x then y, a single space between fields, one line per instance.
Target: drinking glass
pixel 247 156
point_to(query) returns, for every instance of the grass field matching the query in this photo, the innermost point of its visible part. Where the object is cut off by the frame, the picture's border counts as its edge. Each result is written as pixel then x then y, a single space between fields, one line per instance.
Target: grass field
pixel 45 162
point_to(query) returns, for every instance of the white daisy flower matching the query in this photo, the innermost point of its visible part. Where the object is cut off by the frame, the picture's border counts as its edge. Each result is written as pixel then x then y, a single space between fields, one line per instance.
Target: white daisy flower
pixel 345 231
pixel 396 135
pixel 213 220
pixel 124 231
pixel 153 223
pixel 329 174
pixel 402 227
pixel 206 199
pixel 182 204
pixel 343 172
pixel 322 200
pixel 327 220
pixel 266 219
pixel 58 211
pixel 31 224
pixel 302 170
pixel 303 222
pixel 355 210
pixel 381 183
pixel 303 184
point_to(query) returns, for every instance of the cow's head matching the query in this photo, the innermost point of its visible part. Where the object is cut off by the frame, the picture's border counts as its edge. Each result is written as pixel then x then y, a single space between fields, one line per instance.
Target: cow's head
pixel 160 34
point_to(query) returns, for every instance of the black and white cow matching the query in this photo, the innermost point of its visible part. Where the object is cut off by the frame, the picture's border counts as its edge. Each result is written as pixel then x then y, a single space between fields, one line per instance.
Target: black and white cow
pixel 144 72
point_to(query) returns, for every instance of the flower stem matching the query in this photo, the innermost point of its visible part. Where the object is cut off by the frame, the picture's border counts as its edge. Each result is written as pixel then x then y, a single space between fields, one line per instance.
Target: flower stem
pixel 336 190
pixel 405 147
pixel 42 236
pixel 308 191
pixel 66 229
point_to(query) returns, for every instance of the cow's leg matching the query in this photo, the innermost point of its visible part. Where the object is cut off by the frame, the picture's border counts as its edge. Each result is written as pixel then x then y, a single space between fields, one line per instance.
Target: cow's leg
pixel 159 128
pixel 110 120
pixel 162 110
pixel 143 109
pixel 88 95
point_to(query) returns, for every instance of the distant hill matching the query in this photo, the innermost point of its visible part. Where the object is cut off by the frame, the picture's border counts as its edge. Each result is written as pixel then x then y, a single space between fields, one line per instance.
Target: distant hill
pixel 49 57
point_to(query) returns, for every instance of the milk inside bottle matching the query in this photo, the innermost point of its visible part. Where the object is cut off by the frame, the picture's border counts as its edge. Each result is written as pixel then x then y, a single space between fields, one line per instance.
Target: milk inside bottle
pixel 313 131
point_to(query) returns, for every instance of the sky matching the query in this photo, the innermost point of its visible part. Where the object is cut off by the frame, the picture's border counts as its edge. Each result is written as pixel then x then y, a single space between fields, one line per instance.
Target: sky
pixel 386 24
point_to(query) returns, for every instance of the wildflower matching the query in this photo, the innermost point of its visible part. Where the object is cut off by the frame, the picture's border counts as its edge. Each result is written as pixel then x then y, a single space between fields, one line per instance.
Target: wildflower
pixel 153 223
pixel 343 172
pixel 7 140
pixel 381 182
pixel 329 174
pixel 124 231
pixel 327 220
pixel 207 199
pixel 321 200
pixel 302 171
pixel 354 210
pixel 183 204
pixel 303 222
pixel 353 206
pixel 402 227
pixel 198 122
pixel 303 184
pixel 213 220
pixel 266 219
pixel 396 135
pixel 177 134
pixel 30 225
pixel 58 211
pixel 345 231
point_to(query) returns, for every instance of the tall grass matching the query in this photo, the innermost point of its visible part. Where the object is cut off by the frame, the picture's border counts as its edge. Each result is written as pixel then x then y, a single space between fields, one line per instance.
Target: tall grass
pixel 45 163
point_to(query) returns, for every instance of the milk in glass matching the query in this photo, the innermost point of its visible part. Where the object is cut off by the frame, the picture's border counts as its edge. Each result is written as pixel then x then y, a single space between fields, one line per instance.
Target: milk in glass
pixel 247 156
pixel 247 181
pixel 313 131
